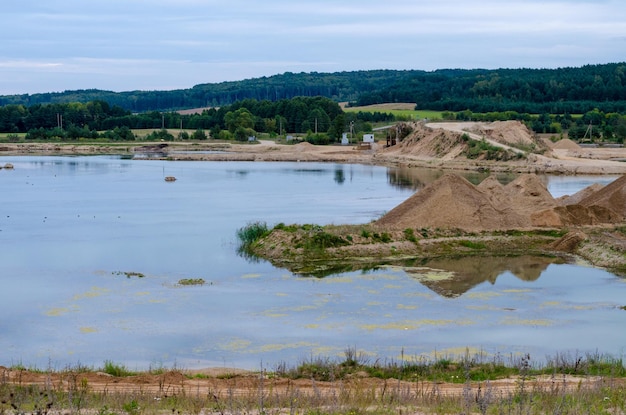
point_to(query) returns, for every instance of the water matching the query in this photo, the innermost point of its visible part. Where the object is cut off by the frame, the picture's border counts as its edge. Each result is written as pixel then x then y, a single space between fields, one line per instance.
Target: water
pixel 70 227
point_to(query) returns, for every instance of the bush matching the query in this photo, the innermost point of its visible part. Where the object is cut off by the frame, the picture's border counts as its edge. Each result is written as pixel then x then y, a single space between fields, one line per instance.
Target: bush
pixel 199 134
pixel 116 370
pixel 251 233
pixel 160 135
pixel 323 240
pixel 409 234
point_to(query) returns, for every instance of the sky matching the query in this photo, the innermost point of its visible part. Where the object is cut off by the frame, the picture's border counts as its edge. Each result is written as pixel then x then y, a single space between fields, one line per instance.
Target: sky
pixel 124 45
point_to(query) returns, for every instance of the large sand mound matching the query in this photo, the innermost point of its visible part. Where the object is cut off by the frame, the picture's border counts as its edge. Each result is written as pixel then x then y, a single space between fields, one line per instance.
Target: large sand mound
pixel 566 144
pixel 612 196
pixel 428 143
pixel 444 141
pixel 577 197
pixel 506 132
pixel 452 202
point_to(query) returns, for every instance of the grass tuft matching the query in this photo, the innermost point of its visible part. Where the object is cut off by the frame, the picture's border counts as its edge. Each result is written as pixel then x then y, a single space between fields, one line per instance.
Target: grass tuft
pixel 116 370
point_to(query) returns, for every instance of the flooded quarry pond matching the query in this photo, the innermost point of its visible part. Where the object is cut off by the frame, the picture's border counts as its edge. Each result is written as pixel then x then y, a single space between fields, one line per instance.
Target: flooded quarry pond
pixel 95 253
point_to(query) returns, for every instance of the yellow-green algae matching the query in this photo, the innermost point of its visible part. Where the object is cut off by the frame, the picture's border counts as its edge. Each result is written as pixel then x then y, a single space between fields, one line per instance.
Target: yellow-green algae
pixel 250 276
pixel 235 344
pixel 276 347
pixel 393 287
pixel 483 295
pixel 511 321
pixel 94 292
pixel 59 311
pixel 412 324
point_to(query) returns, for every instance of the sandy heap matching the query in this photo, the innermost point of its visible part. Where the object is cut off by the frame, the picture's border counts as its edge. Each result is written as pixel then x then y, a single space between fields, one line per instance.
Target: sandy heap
pixel 428 143
pixel 566 144
pixel 452 202
pixel 506 132
pixel 435 141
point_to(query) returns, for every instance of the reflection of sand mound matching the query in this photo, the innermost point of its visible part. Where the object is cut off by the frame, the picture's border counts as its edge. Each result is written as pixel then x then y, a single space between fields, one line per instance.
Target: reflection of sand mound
pixel 452 202
pixel 468 272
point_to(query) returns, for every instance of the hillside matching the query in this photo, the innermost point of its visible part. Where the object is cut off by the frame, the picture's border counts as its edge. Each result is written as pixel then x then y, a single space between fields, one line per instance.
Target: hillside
pixel 562 90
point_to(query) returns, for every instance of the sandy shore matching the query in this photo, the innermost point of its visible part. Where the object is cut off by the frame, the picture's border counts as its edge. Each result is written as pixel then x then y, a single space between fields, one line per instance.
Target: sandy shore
pixel 552 160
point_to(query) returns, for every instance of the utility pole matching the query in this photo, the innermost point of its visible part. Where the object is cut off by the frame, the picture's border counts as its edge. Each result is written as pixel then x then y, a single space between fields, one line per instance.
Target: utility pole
pixel 590 131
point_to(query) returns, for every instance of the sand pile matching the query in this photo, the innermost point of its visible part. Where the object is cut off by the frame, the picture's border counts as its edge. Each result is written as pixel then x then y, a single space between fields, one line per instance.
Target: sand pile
pixel 566 144
pixel 577 197
pixel 428 143
pixel 593 205
pixel 612 196
pixel 452 202
pixel 506 132
pixel 528 193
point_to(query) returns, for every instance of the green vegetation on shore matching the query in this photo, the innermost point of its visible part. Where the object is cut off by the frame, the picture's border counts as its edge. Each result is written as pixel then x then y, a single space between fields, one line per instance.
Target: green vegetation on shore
pixel 323 250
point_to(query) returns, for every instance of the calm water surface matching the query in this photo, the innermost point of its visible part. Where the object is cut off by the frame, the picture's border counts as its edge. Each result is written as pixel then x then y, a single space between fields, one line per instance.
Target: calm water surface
pixel 71 226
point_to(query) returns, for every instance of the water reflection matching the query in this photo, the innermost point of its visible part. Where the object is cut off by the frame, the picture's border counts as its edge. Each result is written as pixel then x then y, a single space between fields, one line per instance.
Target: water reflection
pixel 339 175
pixel 453 277
pixel 418 178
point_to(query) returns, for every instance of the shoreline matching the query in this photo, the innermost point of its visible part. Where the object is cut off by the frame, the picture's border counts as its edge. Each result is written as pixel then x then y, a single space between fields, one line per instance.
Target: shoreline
pixel 595 161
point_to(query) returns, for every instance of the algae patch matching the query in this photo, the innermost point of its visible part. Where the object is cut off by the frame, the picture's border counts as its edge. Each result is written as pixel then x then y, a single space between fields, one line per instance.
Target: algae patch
pixel 510 321
pixel 407 324
pixel 93 293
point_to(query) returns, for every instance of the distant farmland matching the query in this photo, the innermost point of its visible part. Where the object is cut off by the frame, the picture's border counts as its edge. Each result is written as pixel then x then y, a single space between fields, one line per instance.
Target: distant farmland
pixel 399 109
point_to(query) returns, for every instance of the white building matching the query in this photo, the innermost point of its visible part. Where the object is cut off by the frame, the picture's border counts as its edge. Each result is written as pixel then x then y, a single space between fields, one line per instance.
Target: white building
pixel 344 139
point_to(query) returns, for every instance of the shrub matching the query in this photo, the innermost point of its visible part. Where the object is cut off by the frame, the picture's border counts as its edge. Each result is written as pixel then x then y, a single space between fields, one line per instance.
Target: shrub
pixel 116 370
pixel 251 233
pixel 409 234
pixel 472 244
pixel 323 240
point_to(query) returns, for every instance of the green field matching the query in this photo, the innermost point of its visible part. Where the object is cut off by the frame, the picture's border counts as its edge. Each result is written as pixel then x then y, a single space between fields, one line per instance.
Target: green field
pixel 400 110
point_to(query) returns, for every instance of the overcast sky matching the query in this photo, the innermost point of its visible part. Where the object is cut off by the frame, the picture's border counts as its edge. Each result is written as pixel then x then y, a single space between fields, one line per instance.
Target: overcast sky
pixel 121 45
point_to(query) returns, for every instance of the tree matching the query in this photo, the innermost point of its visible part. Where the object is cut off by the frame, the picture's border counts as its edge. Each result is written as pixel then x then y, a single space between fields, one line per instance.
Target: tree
pixel 199 134
pixel 239 118
pixel 337 128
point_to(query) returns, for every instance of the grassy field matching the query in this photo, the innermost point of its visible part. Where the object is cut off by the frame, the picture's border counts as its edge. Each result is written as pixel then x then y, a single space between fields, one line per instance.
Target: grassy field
pixel 404 110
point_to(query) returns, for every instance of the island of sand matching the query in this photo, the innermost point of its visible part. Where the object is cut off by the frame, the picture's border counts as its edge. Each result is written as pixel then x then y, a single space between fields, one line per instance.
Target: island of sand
pixel 451 217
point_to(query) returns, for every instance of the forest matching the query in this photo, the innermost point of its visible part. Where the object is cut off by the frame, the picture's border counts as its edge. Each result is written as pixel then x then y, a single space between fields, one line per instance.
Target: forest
pixel 588 102
pixel 321 118
pixel 573 90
